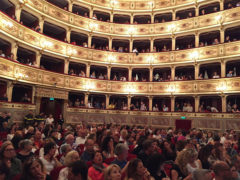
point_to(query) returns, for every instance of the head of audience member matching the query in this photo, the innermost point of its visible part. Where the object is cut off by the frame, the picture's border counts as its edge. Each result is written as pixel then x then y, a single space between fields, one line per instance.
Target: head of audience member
pixel 26 145
pixel 33 169
pixel 200 174
pixel 148 146
pixel 65 148
pixel 78 170
pixel 112 172
pixel 50 149
pixel 89 145
pixel 97 158
pixel 155 164
pixel 107 144
pixel 7 151
pixel 69 139
pixel 222 171
pixel 121 150
pixel 71 157
pixel 136 170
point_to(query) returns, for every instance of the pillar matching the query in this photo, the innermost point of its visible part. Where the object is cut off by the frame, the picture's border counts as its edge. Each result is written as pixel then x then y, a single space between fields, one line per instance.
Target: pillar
pixel 107 101
pixel 88 70
pixel 151 45
pixel 89 40
pixel 70 5
pixel 152 18
pixel 131 19
pixel 130 74
pixel 110 43
pixel 18 12
pixel 129 102
pixel 174 15
pixel 173 43
pixel 111 17
pixel 224 103
pixel 150 98
pixel 38 104
pixel 130 45
pixel 68 35
pixel 221 5
pixel 196 98
pixel 222 35
pixel 109 72
pixel 196 71
pixel 172 103
pixel 9 90
pixel 14 49
pixel 86 98
pixel 223 68
pixel 151 74
pixel 91 12
pixel 197 11
pixel 196 40
pixel 33 94
pixel 172 73
pixel 66 66
pixel 38 58
pixel 41 24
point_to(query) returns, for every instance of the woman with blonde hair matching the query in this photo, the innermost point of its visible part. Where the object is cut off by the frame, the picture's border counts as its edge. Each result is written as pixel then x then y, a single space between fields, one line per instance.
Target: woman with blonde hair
pixel 71 157
pixel 186 162
pixel 112 172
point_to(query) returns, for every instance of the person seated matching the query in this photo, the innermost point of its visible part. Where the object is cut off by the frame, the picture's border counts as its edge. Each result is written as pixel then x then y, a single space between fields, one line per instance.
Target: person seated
pixel 230 74
pixel 121 151
pixel 190 15
pixel 85 15
pixel 136 78
pixel 100 76
pixel 89 105
pixel 238 4
pixel 200 76
pixel 77 103
pixel 215 9
pixel 185 107
pixel 177 108
pixel 155 107
pixel 94 17
pixel 93 75
pixel 143 106
pixel 78 170
pixel 111 106
pixel 50 119
pixel 189 108
pixel 235 108
pixel 201 44
pixel 82 104
pixel 156 77
pixel 88 153
pixel 123 78
pixel 211 109
pixel 71 72
pixel 227 39
pixel 215 41
pixel 124 106
pixel 38 29
pixel 154 49
pixel 229 6
pixel 82 74
pixel 144 79
pixel 112 172
pixel 203 12
pixel 25 98
pixel 132 107
pixel 135 51
pixel 2 54
pixel 215 75
pixel 85 45
pixel 114 77
pixel 165 108
pixel 120 49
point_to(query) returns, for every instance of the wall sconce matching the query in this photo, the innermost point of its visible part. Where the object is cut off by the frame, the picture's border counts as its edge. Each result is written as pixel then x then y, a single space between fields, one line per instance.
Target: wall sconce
pixel 150 59
pixel 45 44
pixel 7 23
pixel 151 4
pixel 221 87
pixel 93 26
pixel 113 3
pixel 89 85
pixel 194 55
pixel 219 18
pixel 111 58
pixel 171 89
pixel 20 76
pixel 130 89
pixel 131 30
pixel 71 51
pixel 23 1
pixel 172 28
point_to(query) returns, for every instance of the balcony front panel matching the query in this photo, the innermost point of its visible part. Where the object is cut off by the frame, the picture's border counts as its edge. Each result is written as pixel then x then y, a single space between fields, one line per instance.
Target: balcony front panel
pixel 59 15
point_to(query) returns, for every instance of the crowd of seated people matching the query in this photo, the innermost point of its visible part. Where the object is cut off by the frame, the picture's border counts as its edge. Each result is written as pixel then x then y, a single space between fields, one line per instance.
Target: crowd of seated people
pixel 114 106
pixel 137 78
pixel 183 78
pixel 164 77
pixel 205 11
pixel 100 76
pixel 185 107
pixel 57 151
pixel 81 74
pixel 120 49
pixel 139 106
pixel 233 108
pixel 164 108
pixel 205 76
pixel 207 108
pixel 120 77
pixel 232 73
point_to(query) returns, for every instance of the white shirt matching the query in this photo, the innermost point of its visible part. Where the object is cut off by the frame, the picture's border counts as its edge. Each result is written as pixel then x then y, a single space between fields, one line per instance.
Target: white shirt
pixel 49 120
pixel 49 166
pixel 80 140
pixel 63 174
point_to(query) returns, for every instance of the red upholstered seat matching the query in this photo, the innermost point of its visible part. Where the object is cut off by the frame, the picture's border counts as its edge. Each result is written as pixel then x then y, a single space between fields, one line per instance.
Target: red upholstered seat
pixel 109 160
pixel 131 156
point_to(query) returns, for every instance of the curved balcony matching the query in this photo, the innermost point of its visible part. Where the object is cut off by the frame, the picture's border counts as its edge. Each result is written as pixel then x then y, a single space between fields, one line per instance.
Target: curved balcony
pixel 23 73
pixel 38 41
pixel 65 18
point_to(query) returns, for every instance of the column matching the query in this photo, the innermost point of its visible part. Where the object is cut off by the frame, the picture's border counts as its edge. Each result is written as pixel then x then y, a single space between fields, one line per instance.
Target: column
pixel 152 18
pixel 151 74
pixel 172 73
pixel 88 70
pixel 131 19
pixel 33 94
pixel 196 39
pixel 196 71
pixel 151 45
pixel 221 5
pixel 14 49
pixel 172 103
pixel 196 98
pixel 131 45
pixel 107 101
pixel 150 98
pixel 41 24
pixel 68 35
pixel 109 72
pixel 89 40
pixel 174 15
pixel 222 35
pixel 70 5
pixel 9 90
pixel 173 43
pixel 38 58
pixel 130 74
pixel 18 12
pixel 223 68
pixel 129 102
pixel 224 103
pixel 86 98
pixel 66 66
pixel 197 11
pixel 111 17
pixel 91 12
pixel 38 104
pixel 110 43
